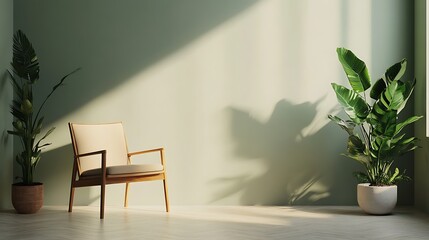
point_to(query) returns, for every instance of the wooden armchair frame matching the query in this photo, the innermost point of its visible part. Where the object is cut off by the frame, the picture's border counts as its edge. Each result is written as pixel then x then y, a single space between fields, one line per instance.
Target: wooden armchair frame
pixel 104 179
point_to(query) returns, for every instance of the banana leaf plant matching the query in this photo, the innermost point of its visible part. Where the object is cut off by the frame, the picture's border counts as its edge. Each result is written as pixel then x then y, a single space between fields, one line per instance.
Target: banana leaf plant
pixel 375 137
pixel 27 123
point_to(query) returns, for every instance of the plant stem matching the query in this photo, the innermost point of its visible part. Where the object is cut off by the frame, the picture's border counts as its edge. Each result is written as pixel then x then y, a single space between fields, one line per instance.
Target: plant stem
pixel 365 136
pixel 52 91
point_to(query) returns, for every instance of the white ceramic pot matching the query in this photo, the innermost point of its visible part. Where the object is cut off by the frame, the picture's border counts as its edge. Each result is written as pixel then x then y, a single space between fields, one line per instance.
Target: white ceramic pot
pixel 377 200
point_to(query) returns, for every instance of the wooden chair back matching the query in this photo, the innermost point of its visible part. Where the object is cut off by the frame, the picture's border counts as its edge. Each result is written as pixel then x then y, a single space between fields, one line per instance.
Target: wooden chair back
pixel 94 137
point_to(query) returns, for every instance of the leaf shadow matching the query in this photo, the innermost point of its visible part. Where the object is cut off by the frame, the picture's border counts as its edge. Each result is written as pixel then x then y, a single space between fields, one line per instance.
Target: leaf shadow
pixel 298 167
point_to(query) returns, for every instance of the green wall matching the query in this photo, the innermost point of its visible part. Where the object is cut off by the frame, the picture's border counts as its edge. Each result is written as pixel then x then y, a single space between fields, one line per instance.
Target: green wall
pixel 384 29
pixel 6 147
pixel 422 154
pixel 237 91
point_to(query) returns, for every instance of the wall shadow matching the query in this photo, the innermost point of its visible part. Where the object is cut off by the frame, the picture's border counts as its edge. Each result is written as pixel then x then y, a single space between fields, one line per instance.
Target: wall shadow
pixel 55 173
pixel 298 169
pixel 6 143
pixel 111 40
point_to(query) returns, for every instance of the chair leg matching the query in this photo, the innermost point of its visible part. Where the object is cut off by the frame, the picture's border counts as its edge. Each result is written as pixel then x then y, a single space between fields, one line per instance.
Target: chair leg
pixel 127 185
pixel 167 206
pixel 73 179
pixel 102 197
pixel 71 199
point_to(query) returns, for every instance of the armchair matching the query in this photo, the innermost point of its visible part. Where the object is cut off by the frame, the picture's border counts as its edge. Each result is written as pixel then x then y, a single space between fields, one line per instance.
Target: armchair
pixel 101 157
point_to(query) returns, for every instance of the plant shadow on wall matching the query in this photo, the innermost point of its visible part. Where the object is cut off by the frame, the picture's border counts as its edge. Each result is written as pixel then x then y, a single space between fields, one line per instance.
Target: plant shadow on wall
pixel 298 168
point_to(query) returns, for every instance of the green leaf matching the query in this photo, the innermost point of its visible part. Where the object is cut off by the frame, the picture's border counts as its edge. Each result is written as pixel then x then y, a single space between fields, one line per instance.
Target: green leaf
pixel 396 71
pixel 402 177
pixel 46 134
pixel 18 125
pixel 16 87
pixel 408 140
pixel 403 124
pixel 393 97
pixel 377 89
pixel 382 148
pixel 26 107
pixel 354 105
pixel 409 87
pixel 393 177
pixel 356 150
pixel 35 161
pixel 386 125
pixel 44 145
pixel 347 125
pixel 355 145
pixel 25 63
pixel 395 140
pixel 355 69
pixel 384 152
pixel 15 133
pixel 405 145
pixel 40 122
pixel 361 158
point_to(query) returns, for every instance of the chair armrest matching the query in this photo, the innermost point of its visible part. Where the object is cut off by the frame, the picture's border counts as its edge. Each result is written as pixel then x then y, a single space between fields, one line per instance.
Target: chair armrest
pixel 145 151
pixel 103 161
pixel 102 152
pixel 160 150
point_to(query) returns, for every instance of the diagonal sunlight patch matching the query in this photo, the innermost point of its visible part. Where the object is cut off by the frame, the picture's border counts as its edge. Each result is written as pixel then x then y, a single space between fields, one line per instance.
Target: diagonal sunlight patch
pixel 248 98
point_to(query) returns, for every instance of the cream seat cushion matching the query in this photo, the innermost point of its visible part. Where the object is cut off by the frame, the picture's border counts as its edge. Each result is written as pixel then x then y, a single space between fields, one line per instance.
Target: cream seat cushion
pixel 126 170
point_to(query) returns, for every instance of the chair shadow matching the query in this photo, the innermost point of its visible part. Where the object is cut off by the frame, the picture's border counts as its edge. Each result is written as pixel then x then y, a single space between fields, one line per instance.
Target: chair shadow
pixel 56 173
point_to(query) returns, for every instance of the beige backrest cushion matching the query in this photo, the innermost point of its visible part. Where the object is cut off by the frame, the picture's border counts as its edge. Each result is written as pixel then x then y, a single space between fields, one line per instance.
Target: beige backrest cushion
pixel 95 137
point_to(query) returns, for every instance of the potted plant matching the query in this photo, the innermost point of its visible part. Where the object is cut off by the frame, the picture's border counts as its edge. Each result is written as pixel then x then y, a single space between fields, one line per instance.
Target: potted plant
pixel 374 130
pixel 27 195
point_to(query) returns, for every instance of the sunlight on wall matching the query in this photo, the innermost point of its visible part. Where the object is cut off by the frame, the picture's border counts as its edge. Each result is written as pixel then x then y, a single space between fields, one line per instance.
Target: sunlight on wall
pixel 346 24
pixel 251 57
pixel 241 109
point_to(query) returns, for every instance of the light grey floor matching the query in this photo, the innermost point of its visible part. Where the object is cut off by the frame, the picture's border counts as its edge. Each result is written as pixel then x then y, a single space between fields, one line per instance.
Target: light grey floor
pixel 214 222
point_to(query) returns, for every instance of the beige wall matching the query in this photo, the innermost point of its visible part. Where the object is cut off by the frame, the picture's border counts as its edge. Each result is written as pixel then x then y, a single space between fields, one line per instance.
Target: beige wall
pixel 421 156
pixel 6 147
pixel 237 91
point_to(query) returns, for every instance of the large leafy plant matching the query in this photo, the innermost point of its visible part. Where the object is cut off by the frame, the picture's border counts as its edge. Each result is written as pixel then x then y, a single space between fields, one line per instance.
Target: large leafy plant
pixel 27 122
pixel 374 130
